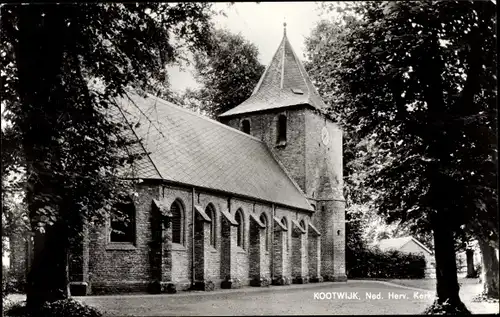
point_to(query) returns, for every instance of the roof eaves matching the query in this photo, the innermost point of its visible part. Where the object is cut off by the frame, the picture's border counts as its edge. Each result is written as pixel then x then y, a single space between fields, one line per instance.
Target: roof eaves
pixel 224 115
pixel 422 245
pixel 221 191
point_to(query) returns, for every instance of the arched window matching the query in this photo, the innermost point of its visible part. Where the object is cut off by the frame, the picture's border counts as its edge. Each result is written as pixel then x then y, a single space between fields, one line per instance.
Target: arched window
pixel 281 128
pixel 123 222
pixel 210 211
pixel 177 222
pixel 240 230
pixel 303 224
pixel 245 126
pixel 285 224
pixel 263 219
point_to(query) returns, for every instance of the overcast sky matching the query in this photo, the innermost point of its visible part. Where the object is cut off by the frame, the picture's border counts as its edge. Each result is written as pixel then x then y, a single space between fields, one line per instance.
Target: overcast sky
pixel 261 24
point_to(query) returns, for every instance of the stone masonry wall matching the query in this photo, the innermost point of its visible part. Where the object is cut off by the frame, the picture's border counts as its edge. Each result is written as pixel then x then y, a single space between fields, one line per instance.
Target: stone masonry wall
pixel 264 127
pixel 118 268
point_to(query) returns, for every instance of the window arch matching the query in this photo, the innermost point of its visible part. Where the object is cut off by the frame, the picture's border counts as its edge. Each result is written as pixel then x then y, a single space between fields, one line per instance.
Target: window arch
pixel 240 236
pixel 210 211
pixel 245 126
pixel 177 211
pixel 263 219
pixel 285 224
pixel 123 221
pixel 281 129
pixel 303 224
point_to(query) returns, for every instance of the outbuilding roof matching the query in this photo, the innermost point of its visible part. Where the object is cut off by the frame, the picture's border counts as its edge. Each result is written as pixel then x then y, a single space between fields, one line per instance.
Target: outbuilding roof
pixel 188 148
pixel 398 243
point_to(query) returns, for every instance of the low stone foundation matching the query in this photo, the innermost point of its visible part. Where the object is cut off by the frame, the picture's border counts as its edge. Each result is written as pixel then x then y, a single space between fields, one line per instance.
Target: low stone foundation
pixel 282 280
pixel 335 278
pixel 158 287
pixel 109 288
pixel 316 279
pixel 206 286
pixel 300 280
pixel 231 284
pixel 262 282
pixel 79 288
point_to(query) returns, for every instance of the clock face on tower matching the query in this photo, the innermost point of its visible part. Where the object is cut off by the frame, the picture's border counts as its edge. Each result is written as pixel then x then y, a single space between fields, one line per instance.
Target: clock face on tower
pixel 325 136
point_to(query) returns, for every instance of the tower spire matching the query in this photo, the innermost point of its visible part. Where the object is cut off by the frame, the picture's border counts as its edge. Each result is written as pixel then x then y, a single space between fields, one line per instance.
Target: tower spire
pixel 284 28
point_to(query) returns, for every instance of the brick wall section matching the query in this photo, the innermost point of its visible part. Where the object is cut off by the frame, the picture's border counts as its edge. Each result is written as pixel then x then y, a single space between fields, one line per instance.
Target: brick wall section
pixel 264 126
pixel 78 264
pixel 258 270
pixel 317 168
pixel 124 267
pixel 181 253
pixel 228 268
pixel 21 255
pixel 296 255
pixel 314 256
pixel 339 243
pixel 278 259
pixel 118 269
pixel 323 162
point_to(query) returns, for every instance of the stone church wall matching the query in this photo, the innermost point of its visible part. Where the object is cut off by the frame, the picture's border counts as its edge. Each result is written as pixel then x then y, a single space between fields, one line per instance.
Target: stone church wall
pixel 126 267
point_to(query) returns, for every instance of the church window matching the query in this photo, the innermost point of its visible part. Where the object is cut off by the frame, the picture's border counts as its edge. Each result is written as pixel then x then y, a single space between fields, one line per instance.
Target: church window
pixel 263 219
pixel 240 229
pixel 123 222
pixel 281 128
pixel 285 224
pixel 245 126
pixel 177 222
pixel 210 211
pixel 303 224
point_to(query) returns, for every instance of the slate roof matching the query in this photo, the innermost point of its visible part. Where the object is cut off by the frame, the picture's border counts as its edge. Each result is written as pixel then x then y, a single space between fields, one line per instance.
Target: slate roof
pixel 188 148
pixel 284 75
pixel 398 243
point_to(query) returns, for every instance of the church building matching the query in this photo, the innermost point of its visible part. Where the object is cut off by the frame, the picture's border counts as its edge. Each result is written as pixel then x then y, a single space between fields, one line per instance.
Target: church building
pixel 252 199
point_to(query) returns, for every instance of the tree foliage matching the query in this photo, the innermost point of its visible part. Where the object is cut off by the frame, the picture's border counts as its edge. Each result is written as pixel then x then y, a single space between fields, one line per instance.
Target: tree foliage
pixel 228 73
pixel 414 86
pixel 63 66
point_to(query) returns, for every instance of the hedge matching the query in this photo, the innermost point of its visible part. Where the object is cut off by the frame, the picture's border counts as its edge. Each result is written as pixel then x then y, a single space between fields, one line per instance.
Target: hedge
pixel 61 308
pixel 373 263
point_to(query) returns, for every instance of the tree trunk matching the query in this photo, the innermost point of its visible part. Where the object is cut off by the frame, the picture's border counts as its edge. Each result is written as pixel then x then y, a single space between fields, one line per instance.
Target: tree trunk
pixel 471 272
pixel 489 273
pixel 48 280
pixel 447 288
pixel 39 56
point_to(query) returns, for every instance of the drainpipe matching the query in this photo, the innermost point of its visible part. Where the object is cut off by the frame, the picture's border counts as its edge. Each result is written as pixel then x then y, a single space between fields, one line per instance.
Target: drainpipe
pixel 193 214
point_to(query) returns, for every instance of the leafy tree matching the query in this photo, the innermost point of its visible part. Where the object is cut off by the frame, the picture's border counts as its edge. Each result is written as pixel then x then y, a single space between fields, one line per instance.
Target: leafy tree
pixel 228 73
pixel 62 67
pixel 417 80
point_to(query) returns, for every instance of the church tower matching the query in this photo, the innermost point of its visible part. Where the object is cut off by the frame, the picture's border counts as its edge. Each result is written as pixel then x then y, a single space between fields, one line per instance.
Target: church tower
pixel 286 112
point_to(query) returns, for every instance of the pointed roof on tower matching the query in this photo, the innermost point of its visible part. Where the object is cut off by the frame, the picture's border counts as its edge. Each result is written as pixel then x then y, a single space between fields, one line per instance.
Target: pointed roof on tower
pixel 284 83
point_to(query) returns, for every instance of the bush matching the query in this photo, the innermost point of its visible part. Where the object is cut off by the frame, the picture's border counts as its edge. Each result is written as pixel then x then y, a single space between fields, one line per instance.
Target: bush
pixel 373 263
pixel 14 309
pixel 60 308
pixel 68 308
